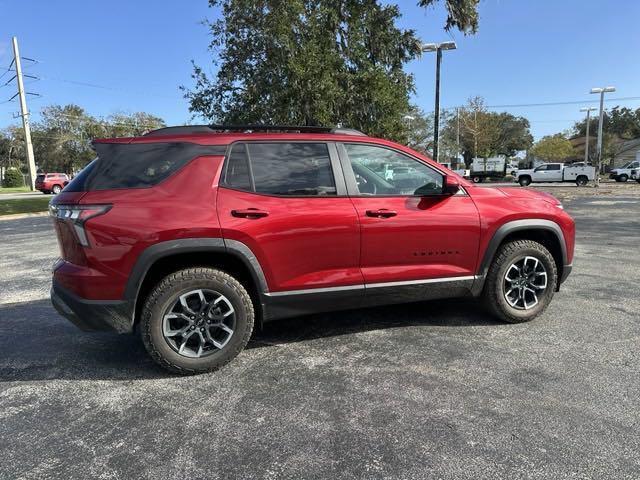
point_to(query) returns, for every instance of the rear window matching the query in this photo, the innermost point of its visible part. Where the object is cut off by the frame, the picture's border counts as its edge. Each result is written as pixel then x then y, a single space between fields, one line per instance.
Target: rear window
pixel 39 178
pixel 138 165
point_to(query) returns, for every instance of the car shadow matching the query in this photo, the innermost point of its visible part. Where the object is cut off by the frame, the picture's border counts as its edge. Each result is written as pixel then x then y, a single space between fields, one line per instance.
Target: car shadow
pixel 38 344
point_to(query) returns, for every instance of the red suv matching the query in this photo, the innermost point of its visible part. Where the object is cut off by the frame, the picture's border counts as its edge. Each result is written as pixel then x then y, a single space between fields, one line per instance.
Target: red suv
pixel 192 235
pixel 51 182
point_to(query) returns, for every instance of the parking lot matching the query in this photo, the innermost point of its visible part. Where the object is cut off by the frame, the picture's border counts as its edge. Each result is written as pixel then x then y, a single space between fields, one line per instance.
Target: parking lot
pixel 427 390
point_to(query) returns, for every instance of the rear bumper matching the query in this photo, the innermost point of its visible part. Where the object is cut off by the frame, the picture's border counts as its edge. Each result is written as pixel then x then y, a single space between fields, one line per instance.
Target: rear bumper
pixel 92 315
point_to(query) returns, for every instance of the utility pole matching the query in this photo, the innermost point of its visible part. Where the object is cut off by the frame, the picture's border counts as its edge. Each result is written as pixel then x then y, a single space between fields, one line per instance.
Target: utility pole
pixel 25 116
pixel 586 143
pixel 437 47
pixel 601 91
pixel 457 133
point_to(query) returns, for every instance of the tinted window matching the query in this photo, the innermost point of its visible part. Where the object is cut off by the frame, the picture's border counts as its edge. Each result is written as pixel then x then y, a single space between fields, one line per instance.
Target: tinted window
pixel 380 171
pixel 238 174
pixel 136 165
pixel 281 169
pixel 553 166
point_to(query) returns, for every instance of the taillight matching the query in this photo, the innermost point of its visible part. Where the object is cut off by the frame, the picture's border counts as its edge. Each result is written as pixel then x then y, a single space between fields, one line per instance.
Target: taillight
pixel 77 215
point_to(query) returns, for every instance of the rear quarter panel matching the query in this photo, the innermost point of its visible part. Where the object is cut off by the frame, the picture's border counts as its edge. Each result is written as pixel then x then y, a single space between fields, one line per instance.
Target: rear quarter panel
pixel 183 206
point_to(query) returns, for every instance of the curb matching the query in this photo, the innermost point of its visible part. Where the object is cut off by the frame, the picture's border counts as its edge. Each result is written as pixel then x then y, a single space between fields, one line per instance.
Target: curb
pixel 18 216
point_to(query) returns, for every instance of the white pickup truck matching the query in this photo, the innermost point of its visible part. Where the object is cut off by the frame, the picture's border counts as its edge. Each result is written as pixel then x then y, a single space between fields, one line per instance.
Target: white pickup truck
pixel 623 174
pixel 557 172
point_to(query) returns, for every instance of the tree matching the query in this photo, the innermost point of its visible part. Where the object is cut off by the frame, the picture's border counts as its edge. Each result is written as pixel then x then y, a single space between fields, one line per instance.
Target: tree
pixel 308 62
pixel 62 138
pixel 553 148
pixel 419 127
pixel 463 14
pixel 621 122
pixel 13 178
pixel 483 133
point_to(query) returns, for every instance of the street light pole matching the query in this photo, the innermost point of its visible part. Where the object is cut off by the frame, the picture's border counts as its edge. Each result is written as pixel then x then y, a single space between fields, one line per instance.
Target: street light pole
pixel 437 47
pixel 601 91
pixel 586 144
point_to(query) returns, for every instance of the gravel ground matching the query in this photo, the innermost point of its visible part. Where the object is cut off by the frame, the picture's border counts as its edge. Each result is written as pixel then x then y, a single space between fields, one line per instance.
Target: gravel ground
pixel 428 390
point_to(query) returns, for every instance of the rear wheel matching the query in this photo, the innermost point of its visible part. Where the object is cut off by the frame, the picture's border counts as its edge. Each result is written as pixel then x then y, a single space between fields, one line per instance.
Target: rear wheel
pixel 581 181
pixel 520 282
pixel 524 181
pixel 196 320
pixel 476 179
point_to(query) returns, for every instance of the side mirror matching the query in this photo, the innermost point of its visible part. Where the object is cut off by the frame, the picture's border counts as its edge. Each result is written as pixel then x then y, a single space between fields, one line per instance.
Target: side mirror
pixel 451 185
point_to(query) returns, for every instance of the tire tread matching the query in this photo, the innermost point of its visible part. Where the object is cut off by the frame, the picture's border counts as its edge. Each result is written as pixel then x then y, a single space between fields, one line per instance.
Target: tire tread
pixel 172 281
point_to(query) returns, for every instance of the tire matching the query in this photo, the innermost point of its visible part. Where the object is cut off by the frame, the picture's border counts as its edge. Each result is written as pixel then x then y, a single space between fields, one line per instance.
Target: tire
pixel 494 294
pixel 581 181
pixel 56 189
pixel 623 178
pixel 524 181
pixel 165 298
pixel 476 179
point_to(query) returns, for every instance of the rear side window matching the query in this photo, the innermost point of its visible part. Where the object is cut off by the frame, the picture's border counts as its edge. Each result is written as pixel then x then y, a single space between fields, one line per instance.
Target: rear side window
pixel 296 169
pixel 553 166
pixel 121 165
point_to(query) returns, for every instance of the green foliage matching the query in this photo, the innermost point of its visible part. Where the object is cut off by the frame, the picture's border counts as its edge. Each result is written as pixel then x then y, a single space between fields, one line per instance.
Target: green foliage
pixel 483 133
pixel 24 205
pixel 311 62
pixel 62 139
pixel 419 127
pixel 463 14
pixel 13 178
pixel 553 148
pixel 621 122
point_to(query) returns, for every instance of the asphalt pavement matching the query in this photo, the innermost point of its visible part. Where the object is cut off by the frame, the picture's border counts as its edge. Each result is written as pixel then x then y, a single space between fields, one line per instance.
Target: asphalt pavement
pixel 428 390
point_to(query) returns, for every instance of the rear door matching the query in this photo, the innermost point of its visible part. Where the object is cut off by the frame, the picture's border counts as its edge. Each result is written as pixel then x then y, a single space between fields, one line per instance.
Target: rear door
pixel 554 172
pixel 287 202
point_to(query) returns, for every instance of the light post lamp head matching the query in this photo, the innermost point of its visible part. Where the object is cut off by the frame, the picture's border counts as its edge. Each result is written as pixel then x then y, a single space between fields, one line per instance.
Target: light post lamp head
pixel 603 90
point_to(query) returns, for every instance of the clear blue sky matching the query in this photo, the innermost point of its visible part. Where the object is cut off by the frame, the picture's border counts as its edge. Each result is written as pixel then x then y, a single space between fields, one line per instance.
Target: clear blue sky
pixel 525 52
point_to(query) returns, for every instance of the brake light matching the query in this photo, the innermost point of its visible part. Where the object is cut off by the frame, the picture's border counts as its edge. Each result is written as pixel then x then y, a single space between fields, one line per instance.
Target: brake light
pixel 77 216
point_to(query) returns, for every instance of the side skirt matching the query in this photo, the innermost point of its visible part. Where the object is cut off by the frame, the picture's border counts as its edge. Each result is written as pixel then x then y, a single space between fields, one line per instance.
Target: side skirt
pixel 277 305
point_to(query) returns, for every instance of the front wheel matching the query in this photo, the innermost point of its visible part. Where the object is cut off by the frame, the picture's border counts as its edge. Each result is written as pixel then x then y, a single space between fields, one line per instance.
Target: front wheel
pixel 196 320
pixel 56 189
pixel 524 181
pixel 623 178
pixel 520 282
pixel 476 179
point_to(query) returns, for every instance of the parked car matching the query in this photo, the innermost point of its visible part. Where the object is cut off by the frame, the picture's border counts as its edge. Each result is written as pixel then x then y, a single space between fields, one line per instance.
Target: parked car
pixel 556 172
pixel 624 173
pixel 193 235
pixel 51 182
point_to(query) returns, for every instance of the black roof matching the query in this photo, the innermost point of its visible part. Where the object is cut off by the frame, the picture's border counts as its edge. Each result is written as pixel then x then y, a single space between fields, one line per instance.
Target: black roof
pixel 189 129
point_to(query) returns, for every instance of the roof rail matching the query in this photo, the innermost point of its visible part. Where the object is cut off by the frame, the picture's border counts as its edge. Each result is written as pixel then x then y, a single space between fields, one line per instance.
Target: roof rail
pixel 189 129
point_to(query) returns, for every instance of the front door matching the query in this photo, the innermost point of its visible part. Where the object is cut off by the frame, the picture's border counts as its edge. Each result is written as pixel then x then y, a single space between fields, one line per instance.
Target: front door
pixel 411 234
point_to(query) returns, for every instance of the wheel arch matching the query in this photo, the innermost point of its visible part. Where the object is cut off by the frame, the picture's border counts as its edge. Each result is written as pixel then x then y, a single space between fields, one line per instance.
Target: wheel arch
pixel 161 259
pixel 546 232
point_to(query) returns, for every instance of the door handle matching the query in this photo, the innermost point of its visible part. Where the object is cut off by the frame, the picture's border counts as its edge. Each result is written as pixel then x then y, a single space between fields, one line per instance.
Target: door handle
pixel 381 213
pixel 249 213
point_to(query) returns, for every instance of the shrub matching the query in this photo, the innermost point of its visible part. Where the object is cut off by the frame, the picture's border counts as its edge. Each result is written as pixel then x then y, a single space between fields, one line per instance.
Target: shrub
pixel 13 178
